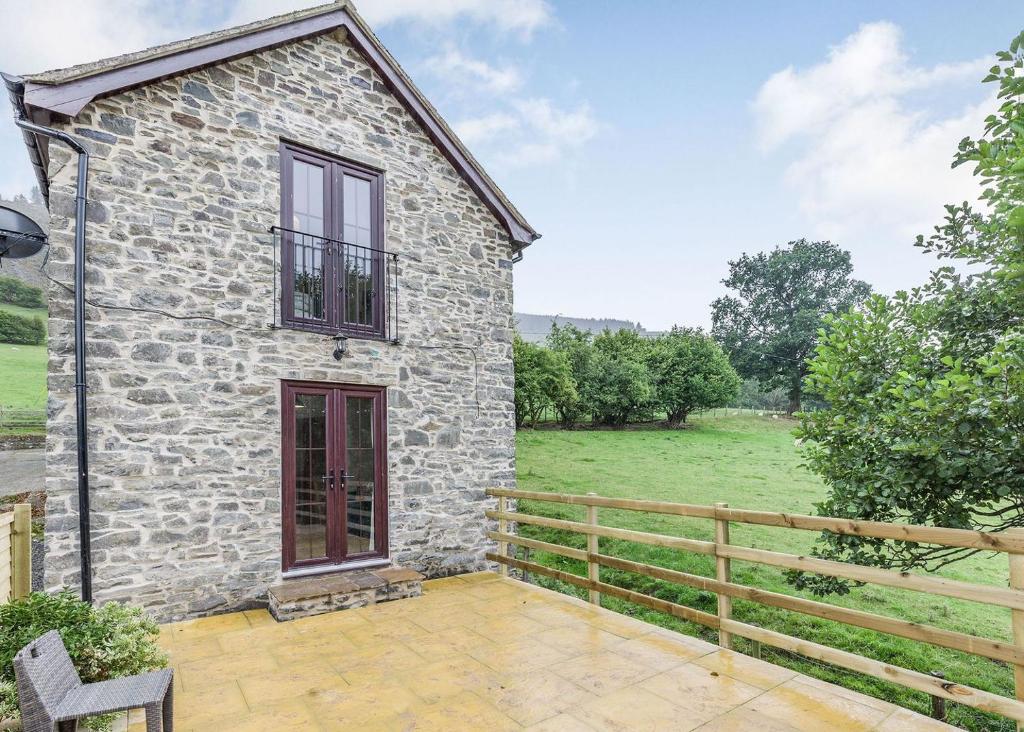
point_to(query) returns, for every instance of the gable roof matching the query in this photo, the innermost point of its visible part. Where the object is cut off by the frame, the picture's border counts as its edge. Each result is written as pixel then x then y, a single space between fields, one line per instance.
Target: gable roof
pixel 63 93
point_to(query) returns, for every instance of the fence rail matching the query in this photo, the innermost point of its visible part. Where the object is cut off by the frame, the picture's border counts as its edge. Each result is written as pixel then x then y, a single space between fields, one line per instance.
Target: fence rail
pixel 1010 542
pixel 16 552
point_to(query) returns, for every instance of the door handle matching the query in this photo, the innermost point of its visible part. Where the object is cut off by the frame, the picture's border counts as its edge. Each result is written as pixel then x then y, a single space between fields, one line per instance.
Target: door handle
pixel 330 479
pixel 344 476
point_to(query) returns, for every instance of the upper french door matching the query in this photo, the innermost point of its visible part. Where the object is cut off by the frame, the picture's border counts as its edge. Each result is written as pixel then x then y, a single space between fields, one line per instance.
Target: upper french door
pixel 333 488
pixel 332 235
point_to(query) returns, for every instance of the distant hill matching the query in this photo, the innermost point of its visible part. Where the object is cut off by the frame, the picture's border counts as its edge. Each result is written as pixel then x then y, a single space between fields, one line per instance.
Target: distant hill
pixel 535 328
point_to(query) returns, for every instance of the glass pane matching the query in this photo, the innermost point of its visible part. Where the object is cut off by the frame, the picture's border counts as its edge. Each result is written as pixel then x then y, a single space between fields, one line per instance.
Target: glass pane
pixel 359 463
pixel 307 198
pixel 356 206
pixel 310 469
pixel 308 218
pixel 358 266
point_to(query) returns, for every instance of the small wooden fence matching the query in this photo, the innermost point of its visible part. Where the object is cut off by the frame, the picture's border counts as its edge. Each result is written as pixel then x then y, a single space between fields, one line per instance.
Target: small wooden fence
pixel 1010 542
pixel 16 553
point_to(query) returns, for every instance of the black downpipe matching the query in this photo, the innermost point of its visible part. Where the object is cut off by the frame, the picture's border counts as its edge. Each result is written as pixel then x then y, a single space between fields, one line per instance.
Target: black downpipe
pixel 81 417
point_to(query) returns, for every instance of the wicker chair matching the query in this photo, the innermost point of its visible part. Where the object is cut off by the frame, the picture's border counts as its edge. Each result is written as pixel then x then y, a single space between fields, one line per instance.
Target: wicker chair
pixel 51 693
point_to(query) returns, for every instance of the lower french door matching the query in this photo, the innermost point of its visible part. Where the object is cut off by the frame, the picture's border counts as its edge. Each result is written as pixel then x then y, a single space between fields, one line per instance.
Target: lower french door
pixel 334 483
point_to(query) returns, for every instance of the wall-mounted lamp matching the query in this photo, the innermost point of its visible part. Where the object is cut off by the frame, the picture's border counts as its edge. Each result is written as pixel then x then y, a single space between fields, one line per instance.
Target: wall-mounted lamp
pixel 340 347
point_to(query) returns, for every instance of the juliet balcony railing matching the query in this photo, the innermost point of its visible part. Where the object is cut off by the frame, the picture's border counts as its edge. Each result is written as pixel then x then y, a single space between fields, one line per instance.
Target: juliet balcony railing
pixel 335 287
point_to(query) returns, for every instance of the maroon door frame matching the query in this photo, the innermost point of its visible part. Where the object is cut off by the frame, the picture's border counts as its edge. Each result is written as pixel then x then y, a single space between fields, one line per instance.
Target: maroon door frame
pixel 337 505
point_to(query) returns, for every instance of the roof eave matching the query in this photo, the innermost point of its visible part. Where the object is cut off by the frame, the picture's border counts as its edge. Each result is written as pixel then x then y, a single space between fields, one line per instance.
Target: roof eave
pixel 16 91
pixel 69 97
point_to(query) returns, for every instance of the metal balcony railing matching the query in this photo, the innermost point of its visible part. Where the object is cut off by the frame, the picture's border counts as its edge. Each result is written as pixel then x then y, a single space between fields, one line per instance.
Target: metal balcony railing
pixel 332 286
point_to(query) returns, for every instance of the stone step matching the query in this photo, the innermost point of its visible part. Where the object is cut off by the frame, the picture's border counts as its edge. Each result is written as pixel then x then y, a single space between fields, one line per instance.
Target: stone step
pixel 326 593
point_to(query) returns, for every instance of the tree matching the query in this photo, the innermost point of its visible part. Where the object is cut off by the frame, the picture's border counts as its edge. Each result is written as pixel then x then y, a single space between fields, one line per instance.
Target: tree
pixel 542 378
pixel 618 386
pixel 691 373
pixel 770 326
pixel 925 390
pixel 578 348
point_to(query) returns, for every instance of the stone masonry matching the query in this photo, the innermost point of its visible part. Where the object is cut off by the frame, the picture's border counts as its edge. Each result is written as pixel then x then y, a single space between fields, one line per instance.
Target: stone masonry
pixel 185 432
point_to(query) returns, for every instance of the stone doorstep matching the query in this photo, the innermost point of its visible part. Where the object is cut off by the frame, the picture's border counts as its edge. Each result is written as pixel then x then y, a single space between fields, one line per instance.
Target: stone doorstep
pixel 326 593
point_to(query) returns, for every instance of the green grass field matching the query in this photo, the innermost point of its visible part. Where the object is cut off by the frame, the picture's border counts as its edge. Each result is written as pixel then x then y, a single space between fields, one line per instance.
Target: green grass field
pixel 750 462
pixel 22 382
pixel 24 312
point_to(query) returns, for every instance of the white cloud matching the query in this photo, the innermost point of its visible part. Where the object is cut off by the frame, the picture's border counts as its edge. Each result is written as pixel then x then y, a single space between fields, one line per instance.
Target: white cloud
pixel 523 16
pixel 536 132
pixel 77 31
pixel 481 130
pixel 511 15
pixel 465 74
pixel 870 156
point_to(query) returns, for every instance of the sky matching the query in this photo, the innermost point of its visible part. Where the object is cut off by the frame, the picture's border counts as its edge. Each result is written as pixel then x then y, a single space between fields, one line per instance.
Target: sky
pixel 650 141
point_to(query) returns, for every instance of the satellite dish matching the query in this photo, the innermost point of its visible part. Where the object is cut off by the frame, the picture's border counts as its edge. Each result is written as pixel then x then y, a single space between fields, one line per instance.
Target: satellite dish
pixel 20 236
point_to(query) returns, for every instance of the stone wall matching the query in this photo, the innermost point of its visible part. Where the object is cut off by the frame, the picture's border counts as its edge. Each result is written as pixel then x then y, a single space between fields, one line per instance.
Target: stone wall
pixel 185 411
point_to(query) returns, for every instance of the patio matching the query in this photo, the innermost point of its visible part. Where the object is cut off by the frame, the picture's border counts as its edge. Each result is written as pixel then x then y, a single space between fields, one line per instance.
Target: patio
pixel 481 652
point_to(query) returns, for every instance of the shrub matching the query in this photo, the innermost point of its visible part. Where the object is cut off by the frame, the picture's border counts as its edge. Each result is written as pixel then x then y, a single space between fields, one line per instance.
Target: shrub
pixel 691 373
pixel 15 292
pixel 19 329
pixel 618 387
pixel 104 642
pixel 578 348
pixel 543 379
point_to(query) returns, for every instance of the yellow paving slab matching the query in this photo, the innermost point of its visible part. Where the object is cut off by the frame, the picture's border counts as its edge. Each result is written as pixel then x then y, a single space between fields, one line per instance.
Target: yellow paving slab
pixel 752 671
pixel 533 697
pixel 809 709
pixel 483 652
pixel 708 694
pixel 636 708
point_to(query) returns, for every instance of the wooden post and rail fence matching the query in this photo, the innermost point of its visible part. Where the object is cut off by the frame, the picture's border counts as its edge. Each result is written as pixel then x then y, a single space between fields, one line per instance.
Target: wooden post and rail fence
pixel 16 553
pixel 1010 542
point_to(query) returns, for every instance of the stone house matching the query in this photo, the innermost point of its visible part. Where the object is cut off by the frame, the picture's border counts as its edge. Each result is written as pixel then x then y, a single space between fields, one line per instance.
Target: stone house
pixel 299 319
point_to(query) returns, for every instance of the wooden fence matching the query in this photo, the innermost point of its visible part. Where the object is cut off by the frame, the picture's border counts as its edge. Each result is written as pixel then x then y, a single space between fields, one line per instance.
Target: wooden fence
pixel 1010 542
pixel 16 553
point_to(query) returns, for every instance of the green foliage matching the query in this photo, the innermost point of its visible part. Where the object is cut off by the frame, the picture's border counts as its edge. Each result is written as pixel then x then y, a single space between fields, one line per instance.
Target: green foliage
pixel 104 642
pixel 691 373
pixel 770 326
pixel 618 386
pixel 925 421
pixel 543 378
pixel 752 395
pixel 15 292
pixel 19 329
pixel 577 347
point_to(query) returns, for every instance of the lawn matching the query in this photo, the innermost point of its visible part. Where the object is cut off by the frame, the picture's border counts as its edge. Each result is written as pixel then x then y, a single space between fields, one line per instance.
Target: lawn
pixel 23 386
pixel 25 312
pixel 750 462
pixel 23 390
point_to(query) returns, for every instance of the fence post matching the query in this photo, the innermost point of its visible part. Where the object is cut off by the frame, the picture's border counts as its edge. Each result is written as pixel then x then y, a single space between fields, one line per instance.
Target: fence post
pixel 722 572
pixel 593 568
pixel 21 551
pixel 502 528
pixel 1017 616
pixel 938 703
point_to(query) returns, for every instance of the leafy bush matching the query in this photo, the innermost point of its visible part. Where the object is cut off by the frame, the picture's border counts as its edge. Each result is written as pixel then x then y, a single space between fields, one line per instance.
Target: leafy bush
pixel 925 418
pixel 577 347
pixel 691 373
pixel 19 329
pixel 104 642
pixel 15 292
pixel 543 379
